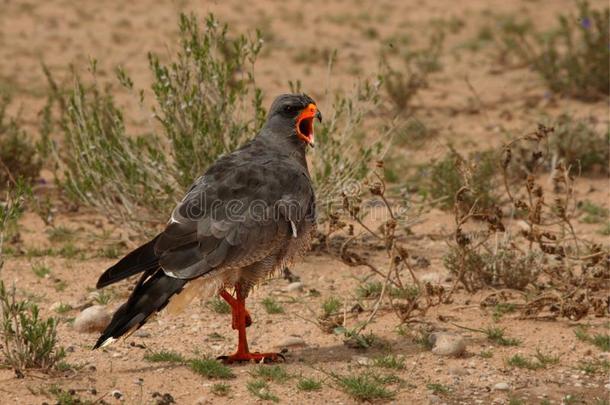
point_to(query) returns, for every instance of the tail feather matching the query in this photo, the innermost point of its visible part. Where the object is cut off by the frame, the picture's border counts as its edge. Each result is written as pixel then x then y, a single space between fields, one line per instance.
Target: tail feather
pixel 151 295
pixel 140 260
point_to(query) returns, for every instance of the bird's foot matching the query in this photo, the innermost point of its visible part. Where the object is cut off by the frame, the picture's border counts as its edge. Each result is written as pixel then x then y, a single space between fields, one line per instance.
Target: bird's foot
pixel 252 357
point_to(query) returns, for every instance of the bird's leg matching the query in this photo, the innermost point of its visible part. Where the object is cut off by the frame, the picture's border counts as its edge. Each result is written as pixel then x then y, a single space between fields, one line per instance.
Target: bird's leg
pixel 240 322
pixel 233 302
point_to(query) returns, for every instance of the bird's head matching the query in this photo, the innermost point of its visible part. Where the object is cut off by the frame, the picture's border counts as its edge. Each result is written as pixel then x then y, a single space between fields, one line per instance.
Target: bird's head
pixel 293 115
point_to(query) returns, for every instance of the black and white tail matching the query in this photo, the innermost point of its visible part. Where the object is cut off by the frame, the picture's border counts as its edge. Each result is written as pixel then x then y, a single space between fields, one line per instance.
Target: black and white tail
pixel 151 294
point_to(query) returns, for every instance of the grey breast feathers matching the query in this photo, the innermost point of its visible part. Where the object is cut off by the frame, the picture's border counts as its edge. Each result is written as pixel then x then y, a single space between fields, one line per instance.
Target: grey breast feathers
pixel 244 209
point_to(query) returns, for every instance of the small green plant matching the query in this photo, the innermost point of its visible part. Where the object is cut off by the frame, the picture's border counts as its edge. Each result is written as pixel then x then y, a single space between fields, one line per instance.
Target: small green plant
pixel 68 397
pixel 515 401
pixel 271 373
pixel 501 309
pixel 486 354
pixel 594 366
pixel 593 213
pixel 546 359
pixel 272 306
pixel 164 356
pixel 70 251
pixel 540 360
pixel 63 308
pixel 104 296
pixel 355 339
pixel 111 251
pixel 438 389
pixel 41 270
pixel 573 59
pixel 522 362
pixel 61 234
pixel 221 389
pixel 364 387
pixel 331 306
pixel 602 341
pixel 309 384
pixel 444 178
pixel 580 145
pixel 496 335
pixel 260 389
pixel 211 368
pixel 402 84
pixel 369 290
pixel 391 361
pixel 219 306
pixel 28 341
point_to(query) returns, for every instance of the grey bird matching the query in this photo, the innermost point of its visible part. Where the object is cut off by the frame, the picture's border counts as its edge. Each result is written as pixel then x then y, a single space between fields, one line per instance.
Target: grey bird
pixel 250 214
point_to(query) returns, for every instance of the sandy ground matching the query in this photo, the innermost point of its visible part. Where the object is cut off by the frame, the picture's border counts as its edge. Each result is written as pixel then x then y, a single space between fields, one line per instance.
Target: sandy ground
pixel 60 33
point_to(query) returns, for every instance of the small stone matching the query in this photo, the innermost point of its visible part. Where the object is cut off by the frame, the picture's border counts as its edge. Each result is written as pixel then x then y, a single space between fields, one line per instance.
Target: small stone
pixel 363 361
pixel 55 306
pixel 291 341
pixel 447 344
pixel 141 334
pixel 117 394
pixel 296 286
pixel 92 319
pixel 501 386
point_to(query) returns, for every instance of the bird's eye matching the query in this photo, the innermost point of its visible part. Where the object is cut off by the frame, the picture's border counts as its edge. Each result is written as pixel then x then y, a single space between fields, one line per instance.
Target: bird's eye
pixel 290 109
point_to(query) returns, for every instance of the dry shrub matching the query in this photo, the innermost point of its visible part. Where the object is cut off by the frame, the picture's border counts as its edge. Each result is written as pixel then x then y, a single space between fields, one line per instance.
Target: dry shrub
pixel 563 273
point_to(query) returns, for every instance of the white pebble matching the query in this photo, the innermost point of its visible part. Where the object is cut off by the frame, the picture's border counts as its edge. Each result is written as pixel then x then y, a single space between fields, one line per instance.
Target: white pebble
pixel 92 319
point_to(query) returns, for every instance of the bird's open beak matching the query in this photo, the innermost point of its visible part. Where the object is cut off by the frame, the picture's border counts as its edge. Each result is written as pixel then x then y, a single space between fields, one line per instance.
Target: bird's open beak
pixel 305 123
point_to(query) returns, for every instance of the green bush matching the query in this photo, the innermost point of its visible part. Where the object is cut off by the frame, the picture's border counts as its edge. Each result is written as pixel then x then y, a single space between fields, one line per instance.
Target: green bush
pixel 403 83
pixel 444 178
pixel 18 155
pixel 207 104
pixel 573 59
pixel 28 341
pixel 580 145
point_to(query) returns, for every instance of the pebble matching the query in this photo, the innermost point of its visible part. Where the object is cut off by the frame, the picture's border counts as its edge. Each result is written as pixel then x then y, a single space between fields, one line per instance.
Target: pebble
pixel 501 386
pixel 296 286
pixel 141 334
pixel 55 306
pixel 117 394
pixel 292 341
pixel 447 344
pixel 92 319
pixel 363 361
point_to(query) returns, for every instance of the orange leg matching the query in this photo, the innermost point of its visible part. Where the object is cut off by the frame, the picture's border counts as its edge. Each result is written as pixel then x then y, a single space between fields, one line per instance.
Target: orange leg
pixel 241 320
pixel 234 311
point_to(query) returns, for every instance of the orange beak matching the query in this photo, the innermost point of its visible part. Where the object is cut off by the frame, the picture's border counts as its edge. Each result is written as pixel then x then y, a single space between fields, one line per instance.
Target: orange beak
pixel 305 123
